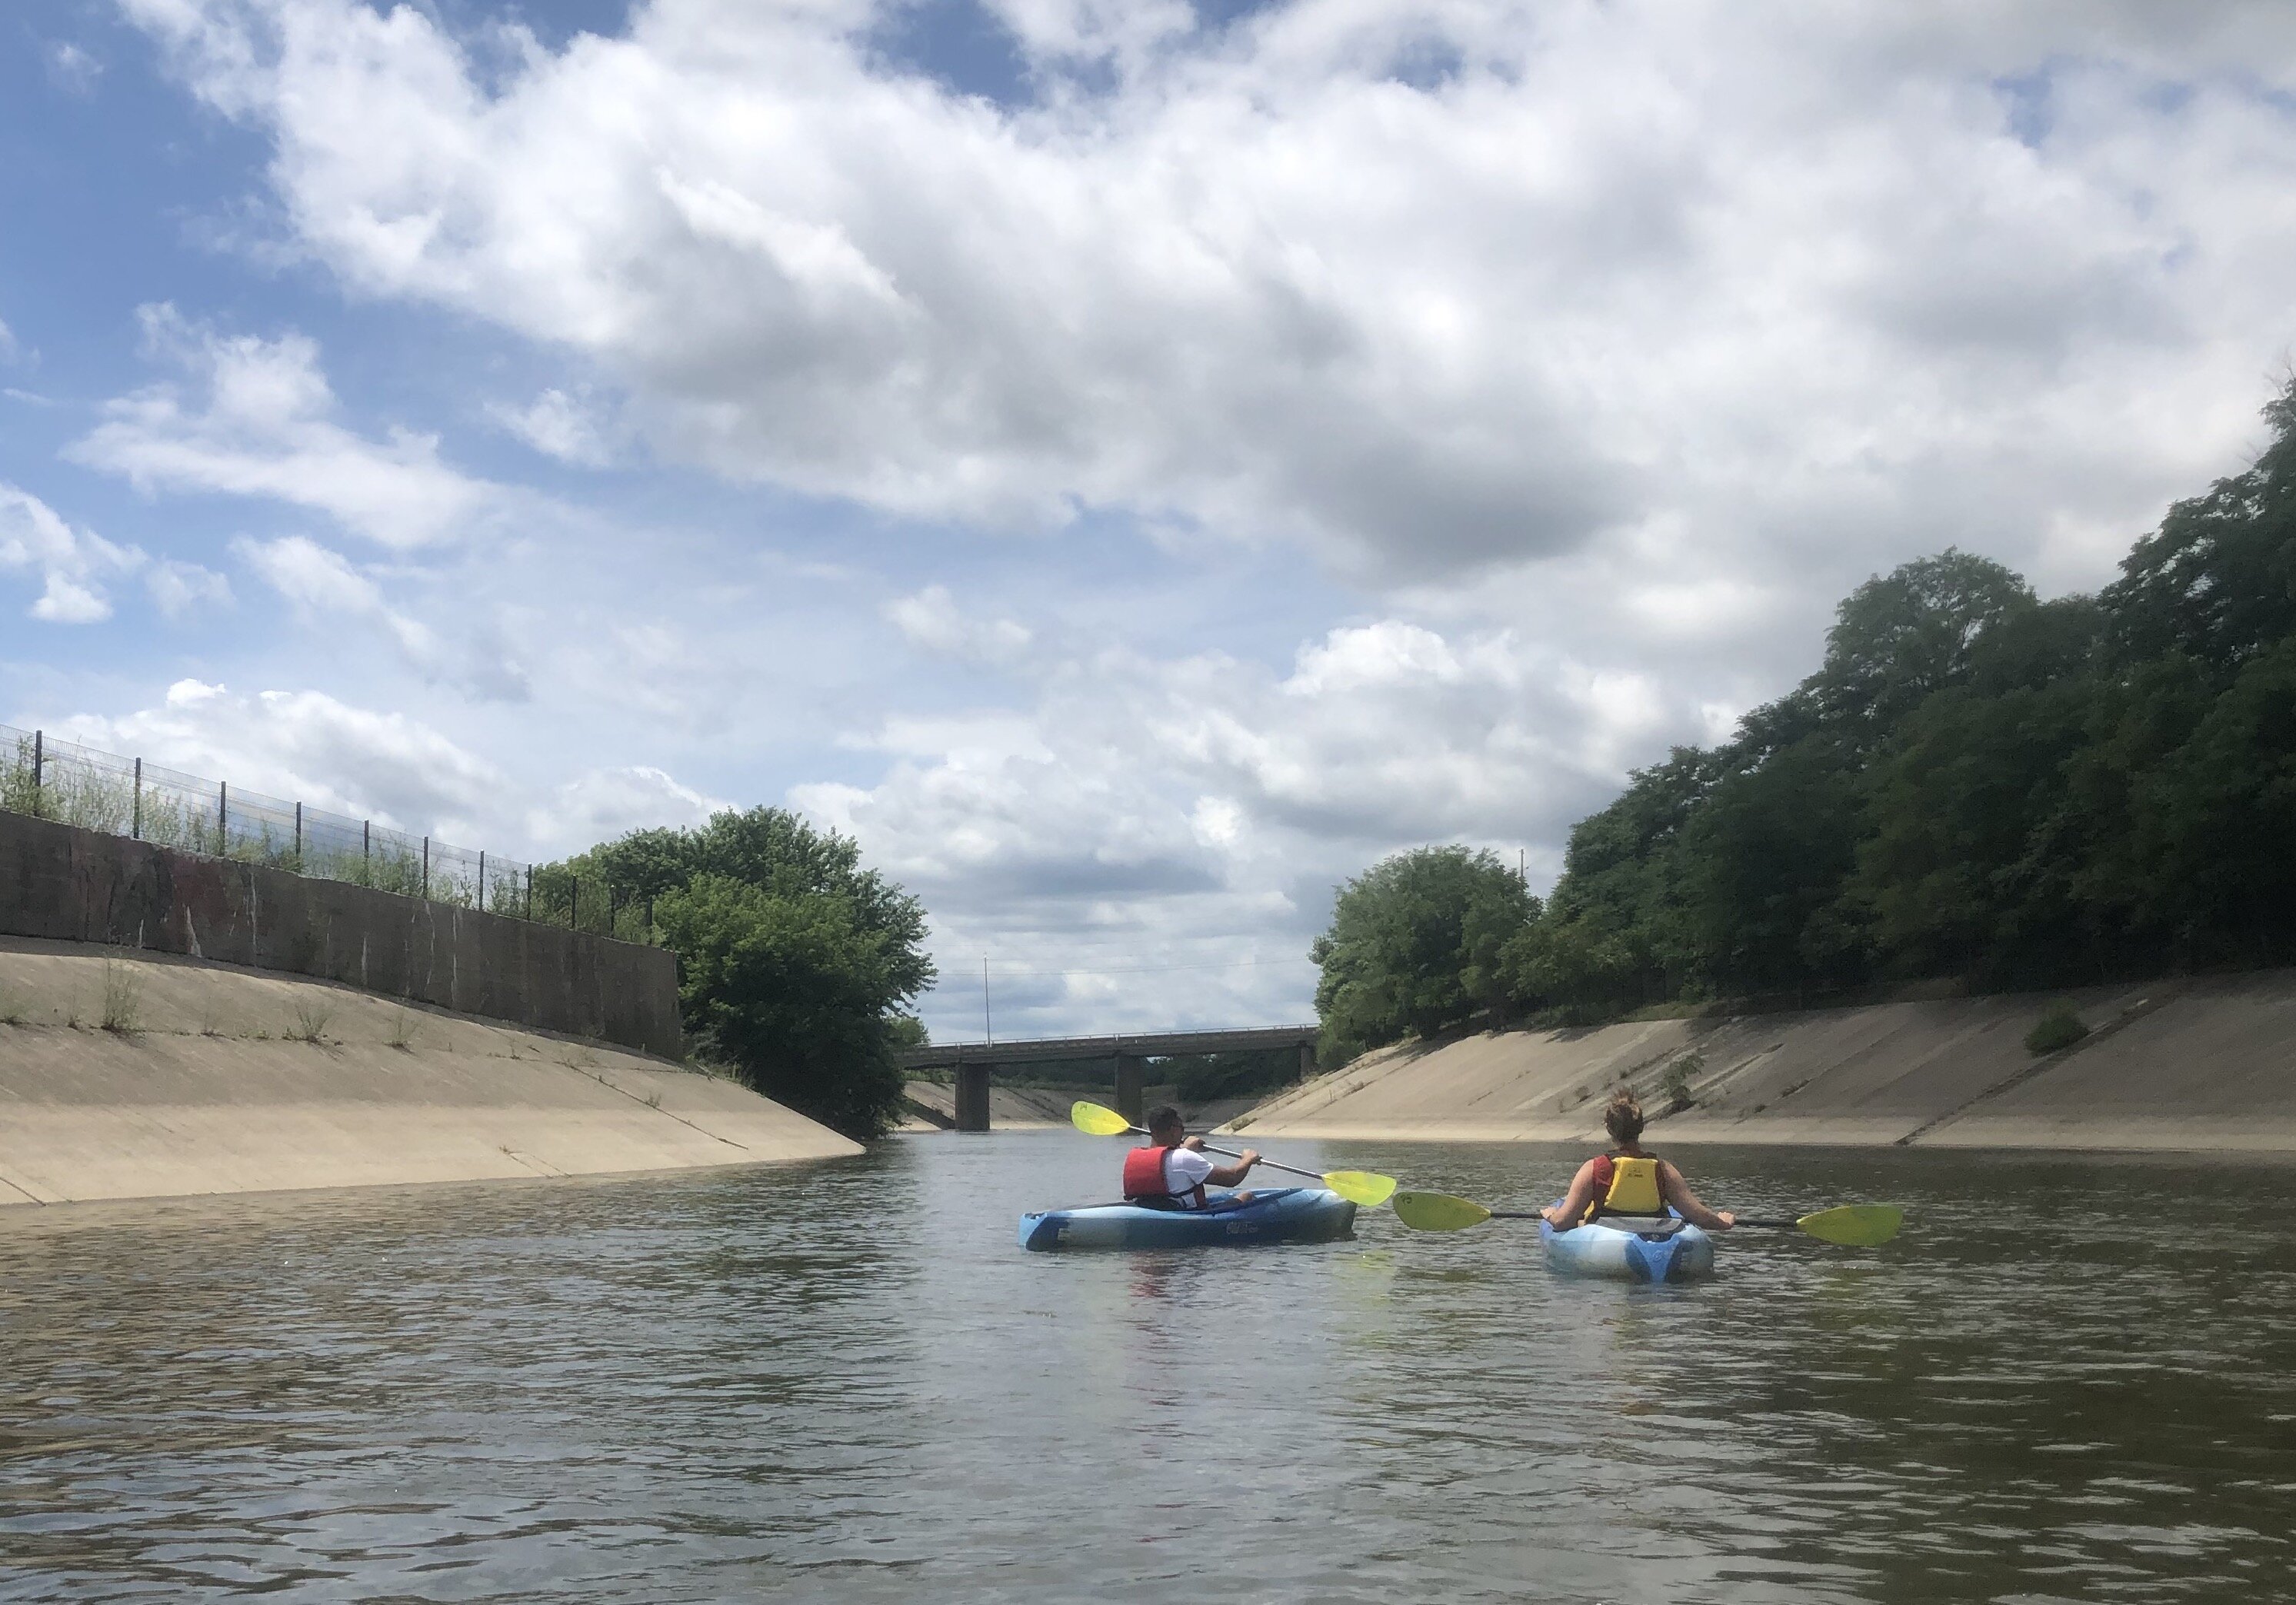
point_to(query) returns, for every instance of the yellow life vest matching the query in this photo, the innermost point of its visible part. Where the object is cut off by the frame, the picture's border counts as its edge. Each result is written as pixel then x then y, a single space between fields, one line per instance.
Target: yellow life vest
pixel 1635 1188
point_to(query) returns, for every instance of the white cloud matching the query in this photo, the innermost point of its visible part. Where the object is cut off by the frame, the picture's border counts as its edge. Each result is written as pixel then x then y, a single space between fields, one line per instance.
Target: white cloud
pixel 307 747
pixel 388 768
pixel 604 802
pixel 72 563
pixel 1144 801
pixel 932 620
pixel 558 425
pixel 180 588
pixel 261 423
pixel 1440 286
pixel 321 582
pixel 71 68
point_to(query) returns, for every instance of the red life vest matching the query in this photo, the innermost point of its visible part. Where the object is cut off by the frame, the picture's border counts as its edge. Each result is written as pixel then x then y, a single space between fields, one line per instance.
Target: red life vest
pixel 1146 1182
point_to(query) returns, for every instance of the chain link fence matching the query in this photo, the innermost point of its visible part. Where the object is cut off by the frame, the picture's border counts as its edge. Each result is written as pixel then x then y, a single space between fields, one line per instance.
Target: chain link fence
pixel 77 785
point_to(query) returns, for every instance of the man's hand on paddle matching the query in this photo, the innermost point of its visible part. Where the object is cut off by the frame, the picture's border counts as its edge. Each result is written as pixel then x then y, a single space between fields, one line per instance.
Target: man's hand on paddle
pixel 1228 1175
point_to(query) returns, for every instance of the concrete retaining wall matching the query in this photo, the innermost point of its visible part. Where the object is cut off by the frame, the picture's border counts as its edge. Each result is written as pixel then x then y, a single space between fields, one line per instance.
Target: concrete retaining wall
pixel 62 883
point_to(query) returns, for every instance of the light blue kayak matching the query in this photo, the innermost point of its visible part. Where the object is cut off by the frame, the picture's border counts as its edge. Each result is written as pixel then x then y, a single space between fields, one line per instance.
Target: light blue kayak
pixel 1275 1215
pixel 1630 1248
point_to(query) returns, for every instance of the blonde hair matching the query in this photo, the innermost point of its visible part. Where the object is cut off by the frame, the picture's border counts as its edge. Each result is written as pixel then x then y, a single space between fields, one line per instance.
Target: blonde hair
pixel 1623 1116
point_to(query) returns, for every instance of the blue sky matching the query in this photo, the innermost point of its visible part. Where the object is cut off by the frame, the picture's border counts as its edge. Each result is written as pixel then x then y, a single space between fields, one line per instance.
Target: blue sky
pixel 1131 465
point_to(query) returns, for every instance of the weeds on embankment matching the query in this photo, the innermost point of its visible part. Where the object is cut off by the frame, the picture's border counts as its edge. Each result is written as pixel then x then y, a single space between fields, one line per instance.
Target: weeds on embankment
pixel 122 1014
pixel 312 1015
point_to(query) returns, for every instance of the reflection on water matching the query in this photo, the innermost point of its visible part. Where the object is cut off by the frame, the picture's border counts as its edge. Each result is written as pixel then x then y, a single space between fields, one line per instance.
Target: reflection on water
pixel 2068 1380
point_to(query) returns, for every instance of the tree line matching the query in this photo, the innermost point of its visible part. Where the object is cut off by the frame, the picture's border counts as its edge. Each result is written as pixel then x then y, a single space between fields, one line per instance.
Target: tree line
pixel 1974 784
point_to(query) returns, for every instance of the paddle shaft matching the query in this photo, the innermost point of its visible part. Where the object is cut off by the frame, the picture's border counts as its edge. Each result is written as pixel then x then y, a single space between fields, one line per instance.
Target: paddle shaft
pixel 1532 1215
pixel 1231 1153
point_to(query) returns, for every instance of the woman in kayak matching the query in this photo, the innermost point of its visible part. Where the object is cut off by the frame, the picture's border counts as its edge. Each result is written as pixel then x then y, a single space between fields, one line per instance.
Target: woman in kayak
pixel 1629 1180
pixel 1169 1171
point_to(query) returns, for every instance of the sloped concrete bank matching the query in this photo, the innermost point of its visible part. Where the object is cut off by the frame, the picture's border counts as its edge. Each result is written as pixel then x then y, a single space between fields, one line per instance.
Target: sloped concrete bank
pixel 2206 1064
pixel 128 1075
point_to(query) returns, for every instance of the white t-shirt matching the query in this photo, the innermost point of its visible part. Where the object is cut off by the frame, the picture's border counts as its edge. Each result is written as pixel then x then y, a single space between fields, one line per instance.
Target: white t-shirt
pixel 1184 1169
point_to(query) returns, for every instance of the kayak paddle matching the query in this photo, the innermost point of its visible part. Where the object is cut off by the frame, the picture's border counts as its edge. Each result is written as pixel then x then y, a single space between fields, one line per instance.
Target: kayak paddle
pixel 1359 1187
pixel 1853 1225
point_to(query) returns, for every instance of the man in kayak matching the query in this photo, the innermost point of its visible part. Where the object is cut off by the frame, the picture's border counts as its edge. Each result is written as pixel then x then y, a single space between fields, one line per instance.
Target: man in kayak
pixel 1629 1180
pixel 1170 1170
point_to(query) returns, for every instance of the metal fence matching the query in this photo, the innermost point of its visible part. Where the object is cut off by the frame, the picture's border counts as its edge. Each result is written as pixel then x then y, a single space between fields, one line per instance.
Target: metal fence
pixel 78 785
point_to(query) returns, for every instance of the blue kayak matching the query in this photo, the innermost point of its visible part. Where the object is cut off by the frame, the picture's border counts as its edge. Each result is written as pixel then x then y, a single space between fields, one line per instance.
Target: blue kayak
pixel 1629 1247
pixel 1277 1215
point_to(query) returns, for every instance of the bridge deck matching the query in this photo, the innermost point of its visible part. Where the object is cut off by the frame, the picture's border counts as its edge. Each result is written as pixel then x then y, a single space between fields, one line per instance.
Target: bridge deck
pixel 1140 1044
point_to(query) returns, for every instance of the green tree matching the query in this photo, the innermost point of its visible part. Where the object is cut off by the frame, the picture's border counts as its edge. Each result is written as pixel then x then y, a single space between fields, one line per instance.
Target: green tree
pixel 1897 639
pixel 1417 944
pixel 2218 579
pixel 797 964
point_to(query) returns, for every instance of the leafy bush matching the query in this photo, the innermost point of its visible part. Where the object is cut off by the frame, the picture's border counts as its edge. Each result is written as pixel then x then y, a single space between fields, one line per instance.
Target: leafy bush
pixel 1676 1081
pixel 795 964
pixel 2059 1027
pixel 1417 944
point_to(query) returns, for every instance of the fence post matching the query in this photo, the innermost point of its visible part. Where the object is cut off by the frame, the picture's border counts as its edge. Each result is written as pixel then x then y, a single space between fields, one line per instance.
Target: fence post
pixel 136 830
pixel 482 881
pixel 573 902
pixel 298 838
pixel 649 922
pixel 529 891
pixel 366 851
pixel 39 762
pixel 609 908
pixel 222 819
pixel 426 866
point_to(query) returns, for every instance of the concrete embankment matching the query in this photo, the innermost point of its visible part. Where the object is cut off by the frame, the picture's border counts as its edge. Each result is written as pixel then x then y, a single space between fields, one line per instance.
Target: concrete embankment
pixel 2207 1064
pixel 128 1075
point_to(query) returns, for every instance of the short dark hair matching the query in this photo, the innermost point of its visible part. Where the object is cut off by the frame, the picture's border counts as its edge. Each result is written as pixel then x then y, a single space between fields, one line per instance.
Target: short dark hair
pixel 1164 1115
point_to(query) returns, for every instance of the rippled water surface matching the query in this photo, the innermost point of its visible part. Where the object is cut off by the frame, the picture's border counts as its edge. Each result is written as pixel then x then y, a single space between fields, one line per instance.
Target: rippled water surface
pixel 2068 1380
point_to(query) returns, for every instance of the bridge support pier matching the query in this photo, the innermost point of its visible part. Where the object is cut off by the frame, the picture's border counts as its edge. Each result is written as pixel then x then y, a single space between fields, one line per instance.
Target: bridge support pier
pixel 1306 1060
pixel 1131 1078
pixel 972 1097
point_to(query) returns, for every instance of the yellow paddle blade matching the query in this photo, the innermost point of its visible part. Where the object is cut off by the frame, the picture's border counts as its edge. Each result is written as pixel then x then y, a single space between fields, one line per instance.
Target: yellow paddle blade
pixel 1438 1211
pixel 1856 1225
pixel 1361 1187
pixel 1098 1120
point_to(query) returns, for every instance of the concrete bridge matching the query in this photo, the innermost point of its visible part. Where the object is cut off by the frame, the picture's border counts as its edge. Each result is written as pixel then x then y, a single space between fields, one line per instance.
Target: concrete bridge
pixel 1127 1056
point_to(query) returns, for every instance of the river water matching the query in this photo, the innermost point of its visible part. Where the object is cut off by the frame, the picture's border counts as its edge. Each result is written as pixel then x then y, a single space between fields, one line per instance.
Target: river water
pixel 2068 1380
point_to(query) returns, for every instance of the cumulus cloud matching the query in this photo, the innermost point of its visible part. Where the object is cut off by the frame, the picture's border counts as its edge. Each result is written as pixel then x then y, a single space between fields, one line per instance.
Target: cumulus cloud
pixel 1439 287
pixel 321 582
pixel 1142 802
pixel 932 620
pixel 306 746
pixel 72 564
pixel 258 421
